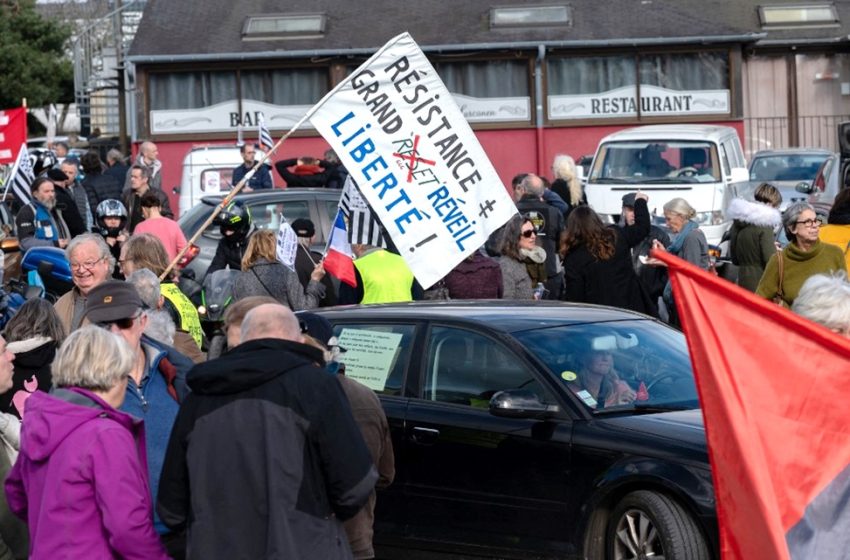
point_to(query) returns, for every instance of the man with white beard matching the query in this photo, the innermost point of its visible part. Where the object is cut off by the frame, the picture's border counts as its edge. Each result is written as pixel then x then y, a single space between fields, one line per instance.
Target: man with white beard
pixel 40 223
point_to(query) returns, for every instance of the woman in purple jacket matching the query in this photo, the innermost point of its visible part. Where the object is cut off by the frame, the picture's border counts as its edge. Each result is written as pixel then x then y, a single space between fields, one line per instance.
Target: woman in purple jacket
pixel 80 480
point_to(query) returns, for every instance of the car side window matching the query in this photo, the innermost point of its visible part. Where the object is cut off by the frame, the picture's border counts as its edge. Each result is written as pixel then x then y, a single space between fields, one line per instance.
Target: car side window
pixel 331 206
pixel 465 367
pixel 267 216
pixel 376 354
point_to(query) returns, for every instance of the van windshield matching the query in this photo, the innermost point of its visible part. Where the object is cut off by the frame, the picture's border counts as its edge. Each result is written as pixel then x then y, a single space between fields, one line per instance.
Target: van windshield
pixel 652 161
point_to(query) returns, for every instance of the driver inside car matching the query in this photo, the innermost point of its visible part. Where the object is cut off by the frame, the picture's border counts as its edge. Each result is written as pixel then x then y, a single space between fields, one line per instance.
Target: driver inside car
pixel 596 383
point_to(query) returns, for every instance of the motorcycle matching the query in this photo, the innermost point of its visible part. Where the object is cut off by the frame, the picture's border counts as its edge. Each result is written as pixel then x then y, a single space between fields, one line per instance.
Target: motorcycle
pixel 216 296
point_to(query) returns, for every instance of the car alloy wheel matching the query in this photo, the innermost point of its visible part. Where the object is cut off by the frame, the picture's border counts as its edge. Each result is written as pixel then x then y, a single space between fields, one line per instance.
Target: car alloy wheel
pixel 636 537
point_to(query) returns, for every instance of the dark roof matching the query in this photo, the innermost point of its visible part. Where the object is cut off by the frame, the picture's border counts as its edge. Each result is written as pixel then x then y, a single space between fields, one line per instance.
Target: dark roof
pixel 501 315
pixel 214 27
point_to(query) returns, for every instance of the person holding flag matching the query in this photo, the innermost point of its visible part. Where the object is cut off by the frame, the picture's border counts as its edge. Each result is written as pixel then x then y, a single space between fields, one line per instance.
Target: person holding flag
pixel 262 178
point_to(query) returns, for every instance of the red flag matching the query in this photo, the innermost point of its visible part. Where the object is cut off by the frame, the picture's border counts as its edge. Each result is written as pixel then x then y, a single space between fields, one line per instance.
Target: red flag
pixel 773 389
pixel 13 133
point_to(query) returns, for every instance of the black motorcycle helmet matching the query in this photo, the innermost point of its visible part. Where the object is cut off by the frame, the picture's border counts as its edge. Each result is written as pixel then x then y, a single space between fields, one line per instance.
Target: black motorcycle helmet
pixel 110 208
pixel 42 161
pixel 236 218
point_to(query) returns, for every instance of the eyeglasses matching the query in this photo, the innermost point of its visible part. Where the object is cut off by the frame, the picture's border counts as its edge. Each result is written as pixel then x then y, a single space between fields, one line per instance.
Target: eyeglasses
pixel 528 233
pixel 810 223
pixel 88 265
pixel 122 324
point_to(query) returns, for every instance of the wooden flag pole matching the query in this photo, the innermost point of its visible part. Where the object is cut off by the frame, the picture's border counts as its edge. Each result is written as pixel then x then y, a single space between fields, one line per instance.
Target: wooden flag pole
pixel 229 198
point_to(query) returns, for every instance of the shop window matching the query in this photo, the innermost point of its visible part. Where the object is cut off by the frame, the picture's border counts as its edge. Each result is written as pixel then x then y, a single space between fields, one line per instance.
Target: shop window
pixel 295 86
pixel 592 74
pixel 489 91
pixel 684 72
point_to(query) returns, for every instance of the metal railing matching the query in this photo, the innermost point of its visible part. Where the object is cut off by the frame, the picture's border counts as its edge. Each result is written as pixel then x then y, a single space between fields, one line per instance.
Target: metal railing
pixel 772 133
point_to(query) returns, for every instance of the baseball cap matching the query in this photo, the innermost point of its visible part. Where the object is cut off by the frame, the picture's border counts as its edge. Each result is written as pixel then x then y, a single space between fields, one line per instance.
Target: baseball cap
pixel 303 228
pixel 111 301
pixel 629 199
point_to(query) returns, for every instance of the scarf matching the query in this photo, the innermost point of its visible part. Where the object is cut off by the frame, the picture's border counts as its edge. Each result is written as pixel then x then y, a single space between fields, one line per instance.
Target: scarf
pixel 676 246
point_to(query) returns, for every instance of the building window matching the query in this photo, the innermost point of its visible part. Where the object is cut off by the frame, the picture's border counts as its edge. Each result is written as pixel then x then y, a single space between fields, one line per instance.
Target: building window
pixel 791 16
pixel 296 86
pixel 490 90
pixel 599 87
pixel 526 16
pixel 283 26
pixel 190 90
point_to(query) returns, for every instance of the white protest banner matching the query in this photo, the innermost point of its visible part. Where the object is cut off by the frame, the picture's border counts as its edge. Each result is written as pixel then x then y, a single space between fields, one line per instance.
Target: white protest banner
pixel 406 144
pixel 287 245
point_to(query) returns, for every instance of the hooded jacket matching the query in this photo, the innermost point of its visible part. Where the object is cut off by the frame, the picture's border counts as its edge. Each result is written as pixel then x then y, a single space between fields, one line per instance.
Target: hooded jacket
pixel 265 458
pixel 81 467
pixel 751 241
pixel 33 357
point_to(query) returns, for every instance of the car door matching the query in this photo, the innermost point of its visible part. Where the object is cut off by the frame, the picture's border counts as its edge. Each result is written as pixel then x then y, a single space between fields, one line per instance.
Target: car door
pixel 473 477
pixel 378 354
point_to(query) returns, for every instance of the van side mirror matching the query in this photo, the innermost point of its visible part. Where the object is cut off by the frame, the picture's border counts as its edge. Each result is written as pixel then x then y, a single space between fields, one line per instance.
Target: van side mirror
pixel 520 403
pixel 739 175
pixel 804 187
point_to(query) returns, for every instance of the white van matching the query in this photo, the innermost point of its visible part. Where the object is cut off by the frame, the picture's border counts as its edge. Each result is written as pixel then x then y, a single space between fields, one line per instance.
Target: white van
pixel 702 164
pixel 207 170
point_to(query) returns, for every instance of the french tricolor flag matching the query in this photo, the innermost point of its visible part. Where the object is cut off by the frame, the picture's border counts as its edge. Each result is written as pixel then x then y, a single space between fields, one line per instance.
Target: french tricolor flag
pixel 339 260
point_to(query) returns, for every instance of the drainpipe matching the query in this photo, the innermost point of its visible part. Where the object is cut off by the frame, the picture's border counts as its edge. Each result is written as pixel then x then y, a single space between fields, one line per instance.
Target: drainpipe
pixel 538 104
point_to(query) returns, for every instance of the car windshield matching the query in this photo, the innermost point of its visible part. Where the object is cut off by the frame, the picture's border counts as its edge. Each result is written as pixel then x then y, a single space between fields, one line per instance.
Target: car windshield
pixel 618 366
pixel 786 167
pixel 656 162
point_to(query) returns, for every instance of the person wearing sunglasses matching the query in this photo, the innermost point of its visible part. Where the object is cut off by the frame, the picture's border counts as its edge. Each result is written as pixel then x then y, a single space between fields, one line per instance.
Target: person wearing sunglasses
pixel 522 261
pixel 804 256
pixel 157 380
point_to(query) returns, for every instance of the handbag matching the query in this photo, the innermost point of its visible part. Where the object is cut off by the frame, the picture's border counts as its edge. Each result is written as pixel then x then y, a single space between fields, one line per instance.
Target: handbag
pixel 779 298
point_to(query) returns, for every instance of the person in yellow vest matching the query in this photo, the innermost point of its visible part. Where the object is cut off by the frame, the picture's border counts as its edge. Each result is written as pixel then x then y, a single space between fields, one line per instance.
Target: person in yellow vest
pixel 382 277
pixel 146 251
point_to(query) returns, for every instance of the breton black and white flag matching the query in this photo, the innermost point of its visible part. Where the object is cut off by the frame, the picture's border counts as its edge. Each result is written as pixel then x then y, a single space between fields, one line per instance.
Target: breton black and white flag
pixel 21 178
pixel 363 226
pixel 266 142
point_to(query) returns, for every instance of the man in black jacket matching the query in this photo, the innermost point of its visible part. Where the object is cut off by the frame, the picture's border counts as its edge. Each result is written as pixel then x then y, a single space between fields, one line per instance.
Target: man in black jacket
pixel 265 459
pixel 66 204
pixel 132 197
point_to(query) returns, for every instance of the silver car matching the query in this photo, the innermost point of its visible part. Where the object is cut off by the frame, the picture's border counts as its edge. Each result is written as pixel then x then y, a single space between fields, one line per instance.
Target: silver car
pixel 792 171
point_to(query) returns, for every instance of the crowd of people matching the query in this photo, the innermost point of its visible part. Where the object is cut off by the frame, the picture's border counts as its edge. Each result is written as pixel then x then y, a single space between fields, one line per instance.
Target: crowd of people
pixel 135 442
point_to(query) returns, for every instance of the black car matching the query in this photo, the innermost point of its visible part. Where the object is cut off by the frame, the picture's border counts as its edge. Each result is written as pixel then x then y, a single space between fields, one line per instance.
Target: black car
pixel 504 446
pixel 319 205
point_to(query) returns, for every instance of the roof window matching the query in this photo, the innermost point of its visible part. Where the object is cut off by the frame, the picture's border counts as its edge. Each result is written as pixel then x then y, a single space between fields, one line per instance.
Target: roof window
pixel 789 16
pixel 527 16
pixel 283 26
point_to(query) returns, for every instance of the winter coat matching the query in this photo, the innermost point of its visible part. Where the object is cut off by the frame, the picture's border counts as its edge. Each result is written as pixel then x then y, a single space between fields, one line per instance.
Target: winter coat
pixel 476 277
pixel 68 206
pixel 80 480
pixel 549 222
pixel 612 281
pixel 516 283
pixel 653 278
pixel 752 239
pixel 33 358
pixel 14 543
pixel 305 262
pixel 798 265
pixel 101 187
pixel 261 179
pixel 229 253
pixel 301 175
pixel 289 461
pixel 72 303
pixel 337 174
pixel 273 279
pixel 154 172
pixel 372 421
pixel 838 231
pixel 40 231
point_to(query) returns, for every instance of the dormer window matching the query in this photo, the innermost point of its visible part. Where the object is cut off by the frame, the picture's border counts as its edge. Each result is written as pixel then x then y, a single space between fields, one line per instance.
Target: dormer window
pixel 280 26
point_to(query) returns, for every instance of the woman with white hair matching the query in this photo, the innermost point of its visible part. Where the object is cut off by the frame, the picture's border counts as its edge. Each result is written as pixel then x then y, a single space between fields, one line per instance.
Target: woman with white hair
pixel 825 299
pixel 80 480
pixel 804 256
pixel 567 183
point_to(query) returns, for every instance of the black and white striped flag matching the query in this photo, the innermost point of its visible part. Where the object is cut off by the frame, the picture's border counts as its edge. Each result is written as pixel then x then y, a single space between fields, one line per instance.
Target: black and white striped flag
pixel 363 226
pixel 266 142
pixel 21 178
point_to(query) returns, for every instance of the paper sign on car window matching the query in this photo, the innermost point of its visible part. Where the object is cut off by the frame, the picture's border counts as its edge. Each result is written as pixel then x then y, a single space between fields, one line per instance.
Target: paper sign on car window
pixel 370 355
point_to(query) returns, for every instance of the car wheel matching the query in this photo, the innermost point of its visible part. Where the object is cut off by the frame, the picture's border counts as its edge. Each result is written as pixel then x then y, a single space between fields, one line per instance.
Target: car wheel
pixel 647 525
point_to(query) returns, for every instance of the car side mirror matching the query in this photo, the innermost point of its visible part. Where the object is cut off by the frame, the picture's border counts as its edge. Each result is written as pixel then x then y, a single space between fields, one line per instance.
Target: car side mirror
pixel 739 175
pixel 520 403
pixel 804 187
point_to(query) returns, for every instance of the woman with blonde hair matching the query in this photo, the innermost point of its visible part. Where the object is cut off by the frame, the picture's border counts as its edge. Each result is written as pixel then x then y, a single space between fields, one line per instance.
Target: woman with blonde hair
pixel 263 275
pixel 567 183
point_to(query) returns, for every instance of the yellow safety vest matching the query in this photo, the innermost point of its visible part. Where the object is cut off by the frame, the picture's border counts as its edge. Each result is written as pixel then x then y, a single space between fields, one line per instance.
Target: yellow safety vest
pixel 189 320
pixel 386 277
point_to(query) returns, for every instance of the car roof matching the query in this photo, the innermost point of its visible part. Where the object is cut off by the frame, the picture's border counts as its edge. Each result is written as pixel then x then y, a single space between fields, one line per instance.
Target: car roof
pixel 794 152
pixel 672 132
pixel 274 195
pixel 497 315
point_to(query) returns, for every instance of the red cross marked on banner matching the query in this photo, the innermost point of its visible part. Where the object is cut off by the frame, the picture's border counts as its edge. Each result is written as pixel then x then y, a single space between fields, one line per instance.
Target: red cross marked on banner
pixel 413 159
